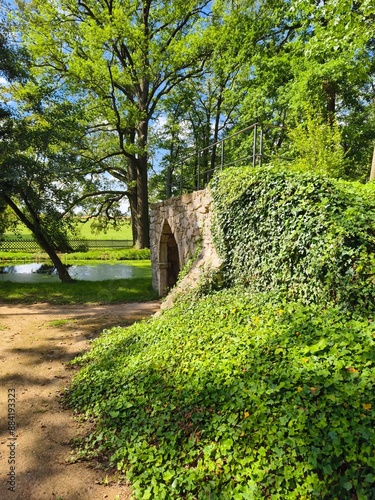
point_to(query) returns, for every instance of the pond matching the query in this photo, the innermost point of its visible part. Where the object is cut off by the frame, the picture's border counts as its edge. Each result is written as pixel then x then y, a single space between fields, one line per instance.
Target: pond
pixel 42 273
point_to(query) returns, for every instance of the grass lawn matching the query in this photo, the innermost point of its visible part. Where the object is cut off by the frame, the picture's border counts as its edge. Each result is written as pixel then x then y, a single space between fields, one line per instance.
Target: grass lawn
pixel 79 292
pixel 100 255
pixel 85 231
pixel 125 232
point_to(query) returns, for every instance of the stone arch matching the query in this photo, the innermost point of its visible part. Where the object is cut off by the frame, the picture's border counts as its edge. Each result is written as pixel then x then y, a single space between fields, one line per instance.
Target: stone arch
pixel 169 260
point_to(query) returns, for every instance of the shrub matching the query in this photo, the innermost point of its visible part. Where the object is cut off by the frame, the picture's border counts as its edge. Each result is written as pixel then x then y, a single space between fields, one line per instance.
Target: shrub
pixel 317 146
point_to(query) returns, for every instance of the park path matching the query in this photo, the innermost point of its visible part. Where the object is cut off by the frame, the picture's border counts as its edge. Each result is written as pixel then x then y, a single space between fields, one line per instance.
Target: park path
pixel 33 371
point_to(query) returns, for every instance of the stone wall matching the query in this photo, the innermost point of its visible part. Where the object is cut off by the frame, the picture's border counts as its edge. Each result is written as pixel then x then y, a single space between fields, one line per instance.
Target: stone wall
pixel 179 228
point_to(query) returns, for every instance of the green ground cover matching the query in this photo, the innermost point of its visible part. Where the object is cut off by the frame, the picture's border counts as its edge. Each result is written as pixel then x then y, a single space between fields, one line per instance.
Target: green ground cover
pixel 251 388
pixel 232 397
pixel 23 257
pixel 110 254
pixel 311 237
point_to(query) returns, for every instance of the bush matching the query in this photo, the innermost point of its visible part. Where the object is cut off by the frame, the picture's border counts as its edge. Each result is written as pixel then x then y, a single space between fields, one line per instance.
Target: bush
pixel 317 146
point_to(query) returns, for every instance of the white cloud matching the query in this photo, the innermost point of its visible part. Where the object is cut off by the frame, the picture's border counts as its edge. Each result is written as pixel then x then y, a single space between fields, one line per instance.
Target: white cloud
pixel 159 123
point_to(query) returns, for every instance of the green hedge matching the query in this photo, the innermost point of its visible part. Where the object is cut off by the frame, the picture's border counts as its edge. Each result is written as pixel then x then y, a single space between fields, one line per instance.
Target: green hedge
pixel 110 254
pixel 308 236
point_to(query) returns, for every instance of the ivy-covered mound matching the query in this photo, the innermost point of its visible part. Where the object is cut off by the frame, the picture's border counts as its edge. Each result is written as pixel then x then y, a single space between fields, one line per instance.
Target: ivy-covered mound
pixel 308 236
pixel 240 394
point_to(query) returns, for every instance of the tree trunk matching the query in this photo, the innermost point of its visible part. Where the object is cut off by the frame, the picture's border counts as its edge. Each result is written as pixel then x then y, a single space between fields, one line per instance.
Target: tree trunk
pixel 170 168
pixel 216 131
pixel 138 195
pixel 169 182
pixel 132 197
pixel 142 218
pixel 372 173
pixel 42 240
pixel 60 267
pixel 133 216
pixel 329 88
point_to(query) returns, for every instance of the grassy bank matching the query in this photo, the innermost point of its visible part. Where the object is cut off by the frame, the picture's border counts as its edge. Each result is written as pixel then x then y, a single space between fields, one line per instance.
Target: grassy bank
pixel 234 396
pixel 80 292
pixel 104 254
pixel 83 231
pixel 108 255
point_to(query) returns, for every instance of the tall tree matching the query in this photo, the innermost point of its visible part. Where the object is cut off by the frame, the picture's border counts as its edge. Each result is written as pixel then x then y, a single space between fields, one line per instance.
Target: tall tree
pixel 193 117
pixel 46 169
pixel 128 55
pixel 45 174
pixel 36 155
pixel 305 54
pixel 197 114
pixel 20 167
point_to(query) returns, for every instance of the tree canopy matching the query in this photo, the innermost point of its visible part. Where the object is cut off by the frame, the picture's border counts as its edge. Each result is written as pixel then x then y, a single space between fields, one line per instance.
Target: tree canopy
pixel 294 63
pixel 127 56
pixel 134 78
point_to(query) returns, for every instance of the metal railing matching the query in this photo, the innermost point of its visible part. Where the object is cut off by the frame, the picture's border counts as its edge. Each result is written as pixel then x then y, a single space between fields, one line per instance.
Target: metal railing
pixel 195 171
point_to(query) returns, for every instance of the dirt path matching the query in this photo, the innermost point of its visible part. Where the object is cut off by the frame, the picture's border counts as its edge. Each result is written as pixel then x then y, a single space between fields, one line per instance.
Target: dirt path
pixel 33 372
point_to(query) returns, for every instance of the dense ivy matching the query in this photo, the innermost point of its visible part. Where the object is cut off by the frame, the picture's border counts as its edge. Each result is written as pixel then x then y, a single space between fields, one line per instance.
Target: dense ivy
pixel 308 236
pixel 263 389
pixel 236 397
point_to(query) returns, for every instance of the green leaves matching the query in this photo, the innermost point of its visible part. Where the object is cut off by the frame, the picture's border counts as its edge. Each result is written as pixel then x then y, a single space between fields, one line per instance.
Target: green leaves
pixel 196 403
pixel 317 146
pixel 264 389
pixel 305 235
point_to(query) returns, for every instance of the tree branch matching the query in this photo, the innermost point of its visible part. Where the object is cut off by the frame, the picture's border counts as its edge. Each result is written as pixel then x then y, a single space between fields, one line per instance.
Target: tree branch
pixel 91 195
pixel 155 97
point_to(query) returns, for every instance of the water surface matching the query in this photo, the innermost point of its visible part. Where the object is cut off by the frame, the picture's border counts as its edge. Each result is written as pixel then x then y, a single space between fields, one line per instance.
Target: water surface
pixel 42 273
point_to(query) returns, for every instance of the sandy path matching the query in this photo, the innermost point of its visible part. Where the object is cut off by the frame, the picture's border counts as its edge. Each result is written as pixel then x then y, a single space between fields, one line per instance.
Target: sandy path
pixel 33 357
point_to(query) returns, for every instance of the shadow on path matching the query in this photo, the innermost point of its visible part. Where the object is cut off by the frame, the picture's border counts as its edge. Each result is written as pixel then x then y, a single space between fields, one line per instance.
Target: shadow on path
pixel 34 352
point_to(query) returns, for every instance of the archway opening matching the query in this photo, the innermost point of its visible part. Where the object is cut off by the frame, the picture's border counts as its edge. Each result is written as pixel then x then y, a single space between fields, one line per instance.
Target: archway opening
pixel 169 261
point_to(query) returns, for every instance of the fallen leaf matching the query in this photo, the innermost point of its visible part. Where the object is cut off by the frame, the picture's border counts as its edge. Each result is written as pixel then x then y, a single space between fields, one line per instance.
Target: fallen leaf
pixel 351 369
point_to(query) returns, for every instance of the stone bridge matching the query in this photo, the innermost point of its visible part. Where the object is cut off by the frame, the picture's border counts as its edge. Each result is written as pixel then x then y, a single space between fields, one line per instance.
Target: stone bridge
pixel 180 232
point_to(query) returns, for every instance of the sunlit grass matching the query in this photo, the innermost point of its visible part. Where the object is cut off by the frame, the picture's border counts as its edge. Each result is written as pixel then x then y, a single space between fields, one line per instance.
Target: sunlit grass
pixel 99 255
pixel 84 230
pixel 57 323
pixel 79 292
